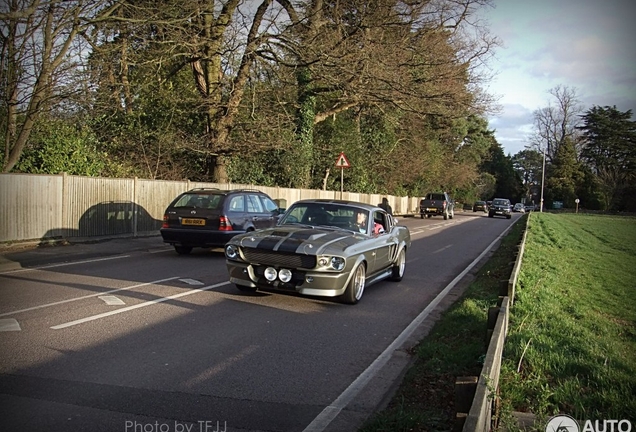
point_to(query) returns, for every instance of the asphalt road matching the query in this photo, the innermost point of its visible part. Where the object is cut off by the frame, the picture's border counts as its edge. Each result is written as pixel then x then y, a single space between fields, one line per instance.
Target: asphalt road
pixel 126 335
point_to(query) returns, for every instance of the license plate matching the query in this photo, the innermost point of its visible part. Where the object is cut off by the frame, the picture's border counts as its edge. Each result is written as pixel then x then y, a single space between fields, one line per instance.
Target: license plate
pixel 431 209
pixel 199 222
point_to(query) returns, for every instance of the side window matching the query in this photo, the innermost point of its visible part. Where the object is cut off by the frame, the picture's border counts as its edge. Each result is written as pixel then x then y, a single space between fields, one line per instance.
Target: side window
pixel 379 223
pixel 254 204
pixel 237 204
pixel 270 205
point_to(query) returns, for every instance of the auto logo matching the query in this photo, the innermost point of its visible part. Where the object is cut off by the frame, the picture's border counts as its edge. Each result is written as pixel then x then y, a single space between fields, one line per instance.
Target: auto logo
pixel 193 212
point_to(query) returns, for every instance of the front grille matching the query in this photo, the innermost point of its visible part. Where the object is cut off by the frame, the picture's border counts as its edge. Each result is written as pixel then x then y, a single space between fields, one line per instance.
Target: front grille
pixel 289 260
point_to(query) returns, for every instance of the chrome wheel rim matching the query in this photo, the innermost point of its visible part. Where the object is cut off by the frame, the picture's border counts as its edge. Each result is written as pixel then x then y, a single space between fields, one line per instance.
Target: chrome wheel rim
pixel 358 282
pixel 402 262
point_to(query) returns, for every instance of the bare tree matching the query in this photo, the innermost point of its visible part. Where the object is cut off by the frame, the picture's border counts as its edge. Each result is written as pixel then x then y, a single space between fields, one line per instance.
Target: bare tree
pixel 36 54
pixel 555 124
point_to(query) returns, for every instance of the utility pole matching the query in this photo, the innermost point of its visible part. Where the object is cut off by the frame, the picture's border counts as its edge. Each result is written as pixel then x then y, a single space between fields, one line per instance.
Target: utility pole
pixel 542 182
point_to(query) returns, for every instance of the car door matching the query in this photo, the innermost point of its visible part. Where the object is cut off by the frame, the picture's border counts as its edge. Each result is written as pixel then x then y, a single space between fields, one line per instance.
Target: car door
pixel 237 212
pixel 260 217
pixel 271 209
pixel 384 242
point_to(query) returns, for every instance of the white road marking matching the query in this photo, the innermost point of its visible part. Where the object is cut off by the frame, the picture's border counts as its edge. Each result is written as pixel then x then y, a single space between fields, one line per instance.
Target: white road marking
pixel 112 300
pixel 191 281
pixel 137 306
pixel 444 248
pixel 9 324
pixel 87 296
pixel 330 412
pixel 64 264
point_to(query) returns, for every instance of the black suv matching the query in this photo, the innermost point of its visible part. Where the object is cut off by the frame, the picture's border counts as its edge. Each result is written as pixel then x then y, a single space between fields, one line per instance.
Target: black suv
pixel 500 207
pixel 210 217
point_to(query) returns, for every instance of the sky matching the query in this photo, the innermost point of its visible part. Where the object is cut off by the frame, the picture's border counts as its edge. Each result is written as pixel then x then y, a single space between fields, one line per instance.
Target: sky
pixel 586 45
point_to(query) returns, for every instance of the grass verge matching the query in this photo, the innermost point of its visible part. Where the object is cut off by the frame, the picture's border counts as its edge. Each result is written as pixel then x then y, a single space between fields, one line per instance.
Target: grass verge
pixel 571 346
pixel 455 347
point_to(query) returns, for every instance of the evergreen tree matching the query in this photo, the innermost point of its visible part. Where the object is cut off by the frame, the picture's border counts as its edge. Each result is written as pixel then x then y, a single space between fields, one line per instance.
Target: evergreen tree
pixel 609 150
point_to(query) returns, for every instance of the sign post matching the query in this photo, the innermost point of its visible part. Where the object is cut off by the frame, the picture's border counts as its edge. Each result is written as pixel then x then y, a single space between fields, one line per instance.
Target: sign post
pixel 342 162
pixel 577 201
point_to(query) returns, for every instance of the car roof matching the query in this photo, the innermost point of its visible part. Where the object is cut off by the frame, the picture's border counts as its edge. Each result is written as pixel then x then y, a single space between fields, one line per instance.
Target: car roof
pixel 365 206
pixel 217 191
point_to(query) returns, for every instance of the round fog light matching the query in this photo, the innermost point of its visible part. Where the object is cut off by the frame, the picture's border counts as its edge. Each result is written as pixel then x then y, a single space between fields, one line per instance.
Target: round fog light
pixel 270 273
pixel 285 275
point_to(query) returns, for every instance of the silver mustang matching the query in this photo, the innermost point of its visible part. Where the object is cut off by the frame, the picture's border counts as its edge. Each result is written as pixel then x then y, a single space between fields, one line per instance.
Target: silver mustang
pixel 323 248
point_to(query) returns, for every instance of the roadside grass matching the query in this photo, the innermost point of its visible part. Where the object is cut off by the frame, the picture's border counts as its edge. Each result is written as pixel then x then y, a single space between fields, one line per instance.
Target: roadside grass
pixel 455 347
pixel 571 346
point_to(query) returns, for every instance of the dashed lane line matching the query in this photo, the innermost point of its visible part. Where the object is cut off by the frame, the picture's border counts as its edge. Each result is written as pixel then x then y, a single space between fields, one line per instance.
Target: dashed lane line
pixel 137 306
pixel 44 267
pixel 87 296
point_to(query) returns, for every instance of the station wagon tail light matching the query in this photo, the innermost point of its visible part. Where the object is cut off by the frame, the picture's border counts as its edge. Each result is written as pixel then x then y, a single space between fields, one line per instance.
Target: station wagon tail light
pixel 224 224
pixel 165 222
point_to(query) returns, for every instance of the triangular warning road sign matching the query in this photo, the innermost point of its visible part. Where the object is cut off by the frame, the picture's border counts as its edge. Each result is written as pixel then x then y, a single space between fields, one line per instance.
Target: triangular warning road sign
pixel 342 161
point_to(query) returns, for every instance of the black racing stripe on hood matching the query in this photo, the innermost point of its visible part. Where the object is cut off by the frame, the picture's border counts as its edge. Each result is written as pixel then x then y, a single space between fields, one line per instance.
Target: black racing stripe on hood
pixel 290 245
pixel 268 243
pixel 296 239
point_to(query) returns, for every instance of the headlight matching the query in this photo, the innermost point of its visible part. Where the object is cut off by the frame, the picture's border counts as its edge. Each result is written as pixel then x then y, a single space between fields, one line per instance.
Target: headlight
pixel 270 274
pixel 231 251
pixel 331 262
pixel 337 263
pixel 285 275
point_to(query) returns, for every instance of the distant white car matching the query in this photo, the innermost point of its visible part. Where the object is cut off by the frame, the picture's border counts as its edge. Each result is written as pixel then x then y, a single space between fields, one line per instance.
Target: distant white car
pixel 519 208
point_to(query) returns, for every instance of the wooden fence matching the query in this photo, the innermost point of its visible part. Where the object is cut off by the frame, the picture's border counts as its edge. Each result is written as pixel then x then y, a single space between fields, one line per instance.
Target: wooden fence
pixel 41 207
pixel 476 397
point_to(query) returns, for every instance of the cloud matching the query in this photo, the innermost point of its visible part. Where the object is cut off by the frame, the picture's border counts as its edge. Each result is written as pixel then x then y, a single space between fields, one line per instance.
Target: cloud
pixel 585 45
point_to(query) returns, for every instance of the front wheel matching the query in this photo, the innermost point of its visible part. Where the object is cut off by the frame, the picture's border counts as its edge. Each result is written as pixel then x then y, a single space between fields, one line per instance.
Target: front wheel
pixel 397 271
pixel 355 287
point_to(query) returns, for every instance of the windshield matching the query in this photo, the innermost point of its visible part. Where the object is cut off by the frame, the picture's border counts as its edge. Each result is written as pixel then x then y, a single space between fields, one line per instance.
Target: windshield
pixel 500 202
pixel 327 214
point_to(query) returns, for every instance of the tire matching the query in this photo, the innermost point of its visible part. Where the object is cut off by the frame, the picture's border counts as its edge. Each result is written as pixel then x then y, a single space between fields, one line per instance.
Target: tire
pixel 245 289
pixel 491 215
pixel 355 287
pixel 397 271
pixel 183 250
pixel 421 215
pixel 509 217
pixel 429 216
